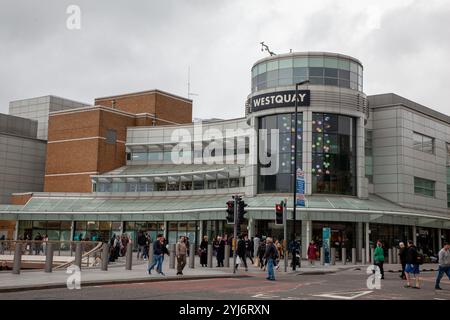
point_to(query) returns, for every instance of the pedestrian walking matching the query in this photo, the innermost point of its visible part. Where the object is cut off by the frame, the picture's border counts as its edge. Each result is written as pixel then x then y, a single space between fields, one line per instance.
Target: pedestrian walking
pixel 444 265
pixel 38 244
pixel 378 257
pixel 180 252
pixel 412 265
pixel 158 255
pixel 312 249
pixel 204 252
pixel 141 240
pixel 248 248
pixel 44 243
pixel 261 253
pixel 219 245
pixel 241 252
pixel 270 255
pixel 402 255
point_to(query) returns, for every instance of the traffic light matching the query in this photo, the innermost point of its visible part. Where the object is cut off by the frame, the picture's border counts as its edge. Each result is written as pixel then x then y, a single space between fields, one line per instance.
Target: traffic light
pixel 241 210
pixel 230 212
pixel 279 213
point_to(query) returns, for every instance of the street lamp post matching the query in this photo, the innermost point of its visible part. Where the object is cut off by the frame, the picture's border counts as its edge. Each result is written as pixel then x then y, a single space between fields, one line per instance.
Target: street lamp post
pixel 294 243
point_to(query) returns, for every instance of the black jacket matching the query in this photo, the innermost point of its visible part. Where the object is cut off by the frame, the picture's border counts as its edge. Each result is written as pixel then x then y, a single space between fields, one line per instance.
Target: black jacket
pixel 411 255
pixel 402 254
pixel 241 248
pixel 142 240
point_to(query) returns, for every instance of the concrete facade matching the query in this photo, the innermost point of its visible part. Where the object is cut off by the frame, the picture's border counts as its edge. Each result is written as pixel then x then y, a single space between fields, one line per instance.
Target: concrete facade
pixel 22 157
pixel 39 109
pixel 395 161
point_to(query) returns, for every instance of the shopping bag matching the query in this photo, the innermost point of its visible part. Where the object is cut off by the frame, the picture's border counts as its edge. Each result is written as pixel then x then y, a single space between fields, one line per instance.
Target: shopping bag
pixel 238 260
pixel 256 264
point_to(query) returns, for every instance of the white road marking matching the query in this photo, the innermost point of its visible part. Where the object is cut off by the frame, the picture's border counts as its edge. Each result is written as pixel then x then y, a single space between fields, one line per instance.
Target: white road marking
pixel 264 296
pixel 343 295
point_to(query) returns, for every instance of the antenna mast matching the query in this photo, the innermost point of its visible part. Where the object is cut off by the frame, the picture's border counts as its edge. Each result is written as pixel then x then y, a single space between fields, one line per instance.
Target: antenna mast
pixel 189 93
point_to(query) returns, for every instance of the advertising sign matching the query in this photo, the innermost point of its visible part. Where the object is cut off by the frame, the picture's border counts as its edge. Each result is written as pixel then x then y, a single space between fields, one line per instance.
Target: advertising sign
pixel 300 188
pixel 326 234
pixel 280 99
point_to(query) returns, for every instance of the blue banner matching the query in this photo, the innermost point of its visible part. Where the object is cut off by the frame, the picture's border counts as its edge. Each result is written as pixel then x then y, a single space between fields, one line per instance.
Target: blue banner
pixel 300 188
pixel 326 234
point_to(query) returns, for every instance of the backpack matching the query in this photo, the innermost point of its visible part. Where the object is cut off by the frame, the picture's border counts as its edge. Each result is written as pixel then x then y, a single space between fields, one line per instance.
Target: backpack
pixel 274 252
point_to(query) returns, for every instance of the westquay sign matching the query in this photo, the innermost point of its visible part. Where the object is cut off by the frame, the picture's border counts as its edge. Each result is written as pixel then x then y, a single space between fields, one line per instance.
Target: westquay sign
pixel 280 99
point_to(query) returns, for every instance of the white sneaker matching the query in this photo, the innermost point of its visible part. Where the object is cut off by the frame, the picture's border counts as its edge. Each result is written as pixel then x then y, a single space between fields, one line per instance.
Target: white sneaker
pixel 277 267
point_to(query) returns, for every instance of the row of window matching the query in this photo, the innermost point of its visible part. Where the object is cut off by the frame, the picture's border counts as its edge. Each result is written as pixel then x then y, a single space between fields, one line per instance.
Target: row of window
pixel 423 143
pixel 167 186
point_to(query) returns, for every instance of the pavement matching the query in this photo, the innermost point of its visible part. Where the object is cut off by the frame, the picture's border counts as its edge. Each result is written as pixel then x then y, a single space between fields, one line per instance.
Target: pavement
pixel 116 274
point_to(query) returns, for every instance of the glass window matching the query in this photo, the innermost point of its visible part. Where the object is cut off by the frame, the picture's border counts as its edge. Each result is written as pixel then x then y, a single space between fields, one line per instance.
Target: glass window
pixel 331 73
pixel 330 63
pixel 285 63
pixel 315 62
pixel 344 83
pixel 223 183
pixel 262 68
pixel 254 71
pixel 423 143
pixel 353 77
pixel 300 72
pixel 316 72
pixel 285 81
pixel 272 75
pixel 424 187
pixel 212 184
pixel 173 186
pixel 344 74
pixel 92 225
pixel 331 81
pixel 285 73
pixel 353 67
pixel 118 187
pixel 316 80
pixel 344 64
pixel 333 154
pixel 272 65
pixel 234 183
pixel 111 136
pixel 155 156
pixel 161 186
pixel 186 185
pixel 284 123
pixel 139 156
pixel 132 187
pixel 199 185
pixel 448 154
pixel 300 62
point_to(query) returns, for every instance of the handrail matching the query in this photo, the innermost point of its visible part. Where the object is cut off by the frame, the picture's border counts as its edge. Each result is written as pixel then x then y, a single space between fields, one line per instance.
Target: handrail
pixel 87 254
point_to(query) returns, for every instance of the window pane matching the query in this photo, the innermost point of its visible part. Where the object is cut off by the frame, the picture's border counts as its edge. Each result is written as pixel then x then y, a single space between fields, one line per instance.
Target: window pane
pixel 353 67
pixel 285 81
pixel 262 68
pixel 285 73
pixel 344 74
pixel 315 62
pixel 272 65
pixel 286 63
pixel 331 73
pixel 300 72
pixel 300 62
pixel 344 64
pixel 331 81
pixel 272 75
pixel 330 63
pixel 344 83
pixel 316 80
pixel 316 72
pixel 254 71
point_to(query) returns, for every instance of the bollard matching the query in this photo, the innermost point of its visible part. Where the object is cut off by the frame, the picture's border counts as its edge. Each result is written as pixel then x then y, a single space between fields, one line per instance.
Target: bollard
pixel 353 256
pixel 192 256
pixel 390 256
pixel 372 250
pixel 78 254
pixel 172 256
pixel 150 252
pixel 210 255
pixel 49 257
pixel 333 256
pixel 395 255
pixel 344 256
pixel 17 258
pixel 105 256
pixel 322 258
pixel 129 256
pixel 226 263
pixel 363 256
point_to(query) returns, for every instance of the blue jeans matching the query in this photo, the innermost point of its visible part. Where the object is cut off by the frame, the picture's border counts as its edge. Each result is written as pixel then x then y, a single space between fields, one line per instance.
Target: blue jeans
pixel 270 274
pixel 440 274
pixel 159 266
pixel 156 262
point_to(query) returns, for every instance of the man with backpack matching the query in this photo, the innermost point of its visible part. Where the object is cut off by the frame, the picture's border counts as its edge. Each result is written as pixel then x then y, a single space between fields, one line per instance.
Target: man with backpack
pixel 413 260
pixel 271 255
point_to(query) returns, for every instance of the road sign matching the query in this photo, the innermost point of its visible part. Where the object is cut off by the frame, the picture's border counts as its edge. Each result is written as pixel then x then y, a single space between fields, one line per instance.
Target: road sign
pixel 300 188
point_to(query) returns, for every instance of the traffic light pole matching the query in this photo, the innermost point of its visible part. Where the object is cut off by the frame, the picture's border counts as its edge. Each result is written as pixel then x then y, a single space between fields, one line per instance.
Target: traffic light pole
pixel 235 232
pixel 285 236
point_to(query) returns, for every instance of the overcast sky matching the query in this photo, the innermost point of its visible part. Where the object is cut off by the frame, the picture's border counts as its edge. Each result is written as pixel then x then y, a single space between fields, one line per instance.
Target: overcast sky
pixel 128 46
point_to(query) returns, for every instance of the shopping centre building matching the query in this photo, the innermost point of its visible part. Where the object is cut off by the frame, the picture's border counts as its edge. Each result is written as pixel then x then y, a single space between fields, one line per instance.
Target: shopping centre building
pixel 376 167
